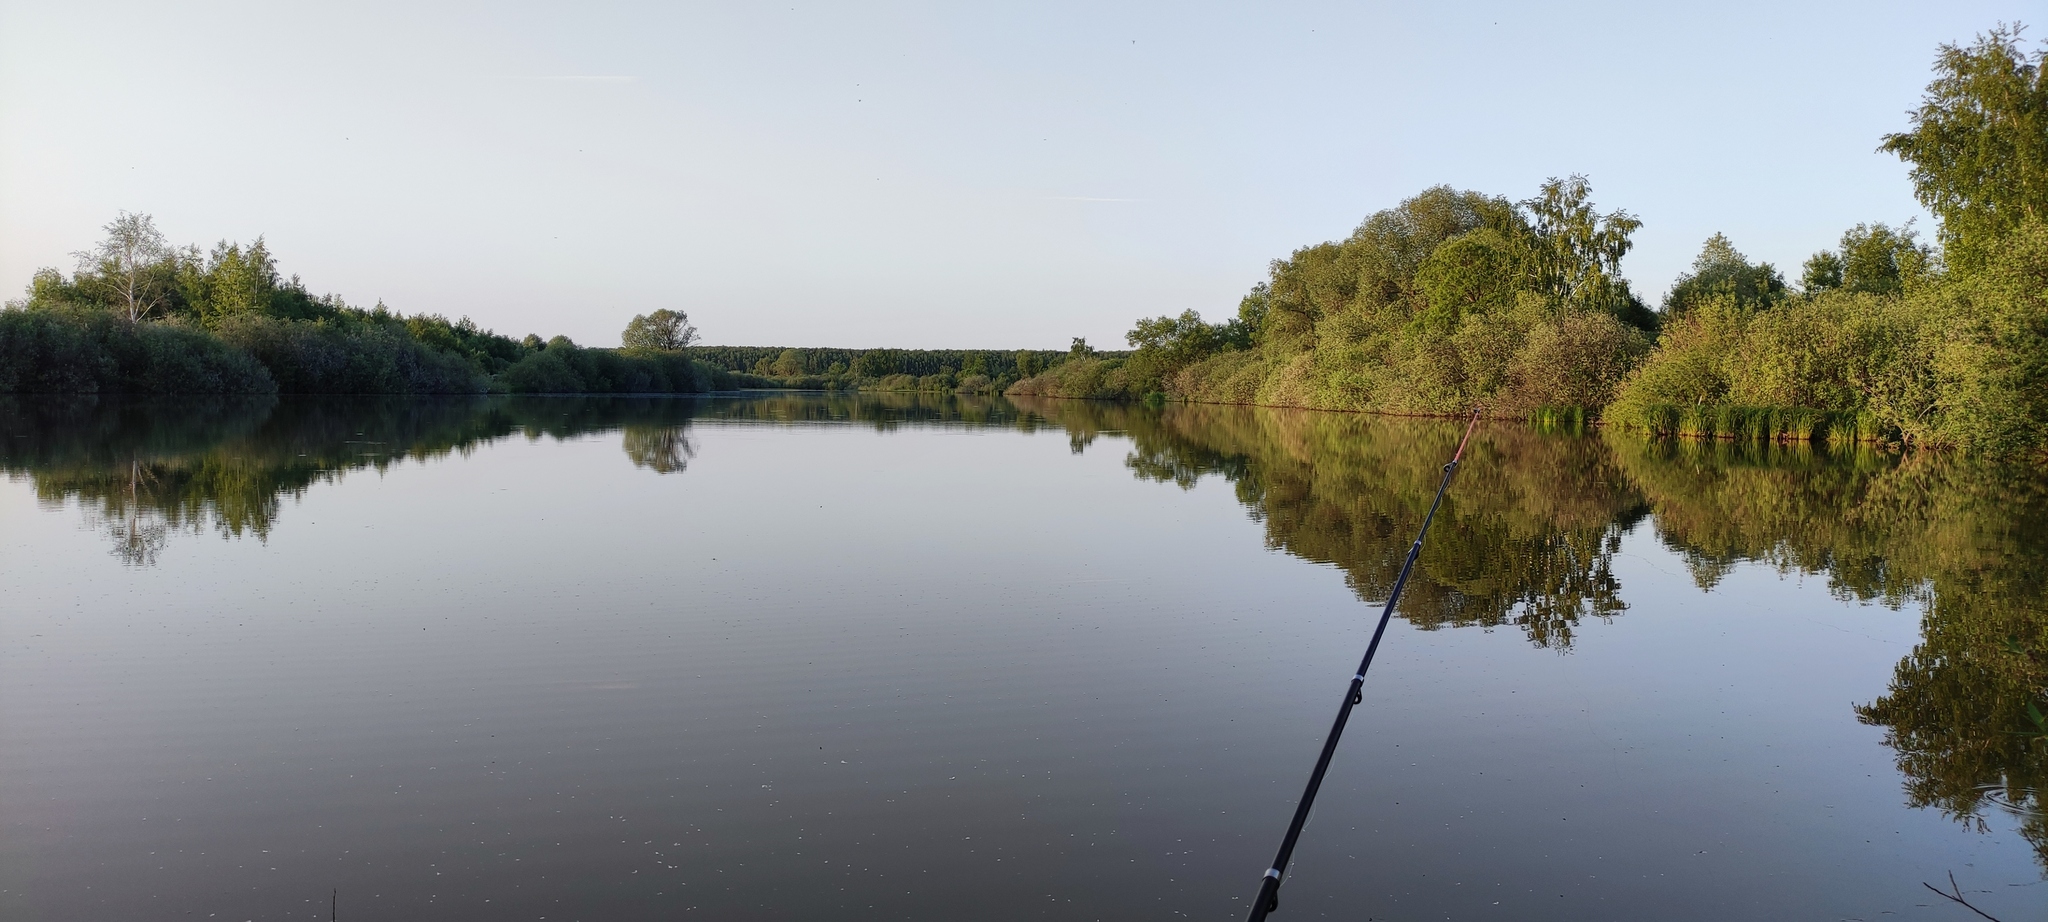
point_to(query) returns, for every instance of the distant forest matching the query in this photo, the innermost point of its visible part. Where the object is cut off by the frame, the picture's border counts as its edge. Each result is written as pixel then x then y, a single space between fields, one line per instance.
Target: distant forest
pixel 969 370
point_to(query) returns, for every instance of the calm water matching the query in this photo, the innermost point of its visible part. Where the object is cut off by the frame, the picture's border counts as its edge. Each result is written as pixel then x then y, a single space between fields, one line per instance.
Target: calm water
pixel 807 657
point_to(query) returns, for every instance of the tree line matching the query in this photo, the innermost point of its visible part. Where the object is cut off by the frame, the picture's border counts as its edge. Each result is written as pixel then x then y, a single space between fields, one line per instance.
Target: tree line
pixel 1456 300
pixel 141 316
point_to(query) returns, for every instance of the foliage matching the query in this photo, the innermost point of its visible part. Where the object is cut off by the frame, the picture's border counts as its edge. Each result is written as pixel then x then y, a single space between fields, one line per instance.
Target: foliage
pixel 1167 344
pixel 1874 259
pixel 1979 143
pixel 1454 301
pixel 1574 252
pixel 232 323
pixel 1993 360
pixel 563 367
pixel 489 351
pixel 348 358
pixel 127 267
pixel 663 331
pixel 1958 360
pixel 82 351
pixel 1721 271
pixel 1084 378
pixel 1865 363
pixel 1449 301
pixel 874 364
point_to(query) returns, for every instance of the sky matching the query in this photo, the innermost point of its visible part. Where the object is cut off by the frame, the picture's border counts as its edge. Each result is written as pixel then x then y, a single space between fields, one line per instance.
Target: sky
pixel 921 175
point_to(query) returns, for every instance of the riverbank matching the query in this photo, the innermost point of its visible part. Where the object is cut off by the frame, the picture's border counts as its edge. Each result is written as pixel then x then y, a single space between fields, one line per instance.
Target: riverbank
pixel 1456 300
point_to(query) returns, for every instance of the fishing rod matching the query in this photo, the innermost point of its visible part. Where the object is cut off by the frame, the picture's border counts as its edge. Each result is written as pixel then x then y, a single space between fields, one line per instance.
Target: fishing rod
pixel 1269 887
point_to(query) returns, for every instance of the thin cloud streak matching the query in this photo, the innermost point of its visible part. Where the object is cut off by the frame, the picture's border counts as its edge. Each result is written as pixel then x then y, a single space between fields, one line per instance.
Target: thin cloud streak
pixel 577 78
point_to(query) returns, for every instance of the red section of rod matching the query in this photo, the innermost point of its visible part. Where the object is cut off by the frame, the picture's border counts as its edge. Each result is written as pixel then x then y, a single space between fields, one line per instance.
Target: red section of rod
pixel 1474 424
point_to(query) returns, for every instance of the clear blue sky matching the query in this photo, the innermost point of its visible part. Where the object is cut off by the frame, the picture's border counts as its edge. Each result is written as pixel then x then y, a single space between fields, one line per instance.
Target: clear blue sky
pixel 925 175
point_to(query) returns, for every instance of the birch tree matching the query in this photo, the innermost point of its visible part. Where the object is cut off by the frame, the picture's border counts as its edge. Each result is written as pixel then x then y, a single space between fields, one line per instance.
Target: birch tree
pixel 128 265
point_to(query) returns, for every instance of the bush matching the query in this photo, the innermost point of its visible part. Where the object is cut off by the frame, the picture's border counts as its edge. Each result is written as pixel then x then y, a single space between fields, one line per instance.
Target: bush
pixel 1227 377
pixel 1993 368
pixel 330 357
pixel 1574 361
pixel 48 352
pixel 1835 365
pixel 1512 361
pixel 1081 377
pixel 563 367
pixel 542 373
pixel 86 351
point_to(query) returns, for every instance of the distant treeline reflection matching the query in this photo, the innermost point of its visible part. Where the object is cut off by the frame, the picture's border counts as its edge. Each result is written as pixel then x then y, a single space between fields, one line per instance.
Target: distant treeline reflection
pixel 1526 540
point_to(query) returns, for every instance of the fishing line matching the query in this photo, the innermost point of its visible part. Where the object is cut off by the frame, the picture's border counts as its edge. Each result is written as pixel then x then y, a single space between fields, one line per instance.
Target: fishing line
pixel 1269 886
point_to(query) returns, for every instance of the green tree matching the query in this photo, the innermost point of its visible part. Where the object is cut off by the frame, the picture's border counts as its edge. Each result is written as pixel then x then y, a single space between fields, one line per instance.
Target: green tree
pixel 1574 252
pixel 1243 330
pixel 1373 272
pixel 236 282
pixel 1979 142
pixel 1472 273
pixel 1873 259
pixel 1178 340
pixel 1721 270
pixel 663 331
pixel 1823 270
pixel 876 363
pixel 129 268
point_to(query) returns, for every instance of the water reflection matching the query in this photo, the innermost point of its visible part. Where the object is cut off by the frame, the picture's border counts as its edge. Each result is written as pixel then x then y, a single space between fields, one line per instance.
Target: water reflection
pixel 1526 541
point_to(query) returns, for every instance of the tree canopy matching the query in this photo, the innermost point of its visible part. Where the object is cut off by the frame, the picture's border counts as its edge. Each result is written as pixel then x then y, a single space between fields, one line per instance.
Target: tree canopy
pixel 1873 259
pixel 1721 270
pixel 1978 145
pixel 663 331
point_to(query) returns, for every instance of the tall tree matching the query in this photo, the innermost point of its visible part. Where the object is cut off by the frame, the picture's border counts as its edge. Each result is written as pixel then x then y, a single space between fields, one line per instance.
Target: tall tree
pixel 1874 258
pixel 664 330
pixel 237 281
pixel 1722 271
pixel 1979 143
pixel 1574 252
pixel 129 266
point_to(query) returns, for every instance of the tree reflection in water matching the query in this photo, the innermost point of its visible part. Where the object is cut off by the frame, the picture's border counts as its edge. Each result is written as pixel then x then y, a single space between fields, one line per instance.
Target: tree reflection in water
pixel 1525 541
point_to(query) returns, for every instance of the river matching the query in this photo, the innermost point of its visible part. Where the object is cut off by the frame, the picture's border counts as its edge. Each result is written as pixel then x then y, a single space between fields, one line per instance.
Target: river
pixel 796 656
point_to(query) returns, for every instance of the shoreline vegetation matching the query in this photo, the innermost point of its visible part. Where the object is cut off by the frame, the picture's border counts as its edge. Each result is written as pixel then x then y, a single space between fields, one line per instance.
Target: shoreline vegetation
pixel 143 318
pixel 1449 303
pixel 1456 301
